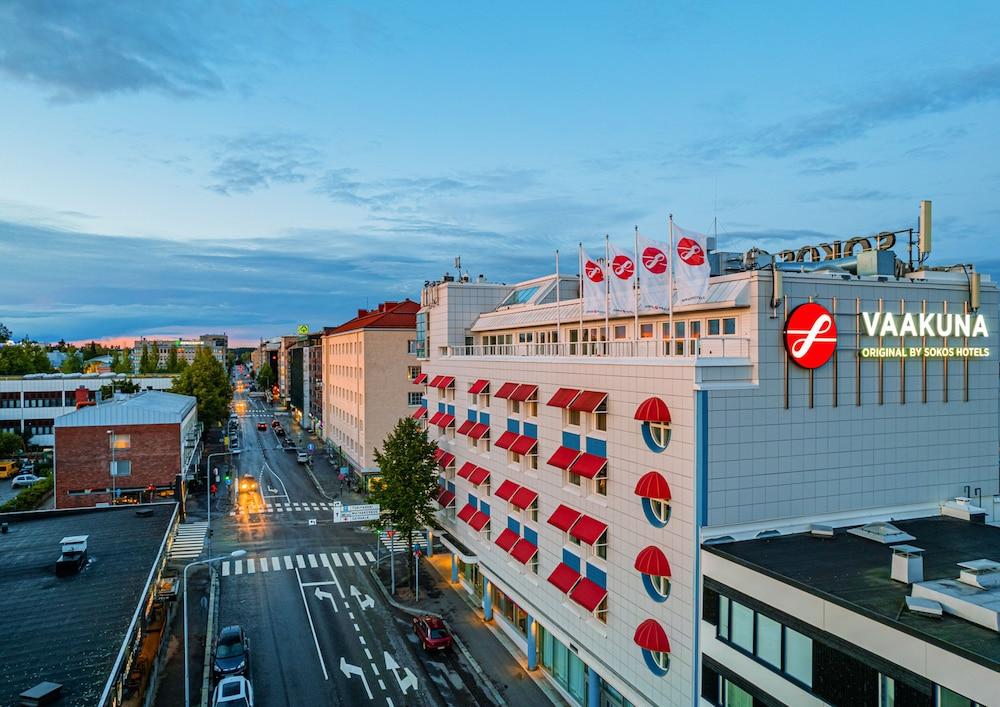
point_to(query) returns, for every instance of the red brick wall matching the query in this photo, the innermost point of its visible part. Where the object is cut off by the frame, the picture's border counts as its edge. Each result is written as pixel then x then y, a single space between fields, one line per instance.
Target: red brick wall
pixel 83 461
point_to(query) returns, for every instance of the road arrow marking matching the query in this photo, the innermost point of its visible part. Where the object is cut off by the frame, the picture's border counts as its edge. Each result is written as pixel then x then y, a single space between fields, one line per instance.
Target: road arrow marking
pixel 365 603
pixel 348 670
pixel 407 681
pixel 321 595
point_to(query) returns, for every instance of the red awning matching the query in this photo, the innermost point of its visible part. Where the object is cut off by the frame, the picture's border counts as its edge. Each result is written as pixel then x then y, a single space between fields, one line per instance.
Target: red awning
pixel 506 439
pixel 524 392
pixel 479 520
pixel 651 560
pixel 523 444
pixel 563 397
pixel 468 510
pixel 588 465
pixel 508 538
pixel 446 382
pixel 479 430
pixel 588 530
pixel 506 490
pixel 523 497
pixel 650 636
pixel 466 469
pixel 479 475
pixel 588 401
pixel 435 417
pixel 564 517
pixel 563 457
pixel 524 551
pixel 653 485
pixel 479 386
pixel 564 577
pixel 446 499
pixel 652 410
pixel 419 413
pixel 588 594
pixel 464 428
pixel 420 379
pixel 445 420
pixel 505 390
pixel 438 453
pixel 435 381
pixel 446 460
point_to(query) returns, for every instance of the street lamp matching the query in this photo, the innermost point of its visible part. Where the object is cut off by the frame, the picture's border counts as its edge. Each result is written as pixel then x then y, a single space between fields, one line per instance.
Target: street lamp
pixel 187 680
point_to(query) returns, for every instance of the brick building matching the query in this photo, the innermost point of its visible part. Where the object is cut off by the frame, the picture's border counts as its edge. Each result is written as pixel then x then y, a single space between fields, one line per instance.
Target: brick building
pixel 123 447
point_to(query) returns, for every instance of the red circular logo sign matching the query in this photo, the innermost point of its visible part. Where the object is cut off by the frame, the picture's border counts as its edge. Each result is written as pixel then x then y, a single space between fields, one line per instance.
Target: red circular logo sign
pixel 623 266
pixel 810 335
pixel 690 252
pixel 594 271
pixel 654 260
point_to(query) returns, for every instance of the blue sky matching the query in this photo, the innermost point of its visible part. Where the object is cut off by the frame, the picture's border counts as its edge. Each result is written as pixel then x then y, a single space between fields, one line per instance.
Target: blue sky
pixel 187 166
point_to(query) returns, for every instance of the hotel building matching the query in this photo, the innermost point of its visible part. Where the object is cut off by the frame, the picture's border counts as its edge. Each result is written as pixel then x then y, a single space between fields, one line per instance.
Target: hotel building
pixel 673 510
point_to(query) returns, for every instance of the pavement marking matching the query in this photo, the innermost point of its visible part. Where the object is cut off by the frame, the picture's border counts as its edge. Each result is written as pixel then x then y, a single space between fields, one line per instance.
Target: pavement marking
pixel 362 639
pixel 381 683
pixel 351 614
pixel 361 559
pixel 264 567
pixel 302 591
pixel 324 560
pixel 275 563
pixel 348 559
pixel 375 669
pixel 357 628
pixel 250 566
pixel 288 562
pixel 300 561
pixel 368 654
pixel 281 510
pixel 312 561
pixel 388 701
pixel 370 556
pixel 336 559
pixel 239 566
pixel 225 568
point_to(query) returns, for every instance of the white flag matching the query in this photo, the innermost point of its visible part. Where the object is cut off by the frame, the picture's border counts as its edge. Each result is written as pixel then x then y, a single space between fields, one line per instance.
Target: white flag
pixel 654 276
pixel 621 279
pixel 595 295
pixel 690 266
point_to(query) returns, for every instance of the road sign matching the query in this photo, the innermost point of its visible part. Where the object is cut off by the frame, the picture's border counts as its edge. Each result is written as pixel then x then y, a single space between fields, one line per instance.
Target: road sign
pixel 303 329
pixel 311 447
pixel 359 512
pixel 390 534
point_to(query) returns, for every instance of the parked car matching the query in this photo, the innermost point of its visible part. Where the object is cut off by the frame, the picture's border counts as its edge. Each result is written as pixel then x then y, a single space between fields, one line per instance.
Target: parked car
pixel 302 457
pixel 232 653
pixel 233 691
pixel 8 468
pixel 24 480
pixel 275 423
pixel 248 483
pixel 279 431
pixel 432 633
pixel 27 467
pixel 262 426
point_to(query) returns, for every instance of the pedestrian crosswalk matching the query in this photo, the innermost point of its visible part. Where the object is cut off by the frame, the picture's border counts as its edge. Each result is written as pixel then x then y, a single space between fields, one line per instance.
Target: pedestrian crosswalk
pixel 397 543
pixel 189 540
pixel 290 562
pixel 292 506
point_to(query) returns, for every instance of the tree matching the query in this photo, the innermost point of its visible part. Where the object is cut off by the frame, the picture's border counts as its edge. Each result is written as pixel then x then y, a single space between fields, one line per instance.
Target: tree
pixel 206 380
pixel 23 358
pixel 4 334
pixel 265 376
pixel 182 365
pixel 172 360
pixel 121 362
pixel 409 476
pixel 72 363
pixel 146 363
pixel 10 444
pixel 92 350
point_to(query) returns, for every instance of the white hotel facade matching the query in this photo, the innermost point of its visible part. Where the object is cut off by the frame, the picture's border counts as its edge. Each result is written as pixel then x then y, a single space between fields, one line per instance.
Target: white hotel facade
pixel 608 496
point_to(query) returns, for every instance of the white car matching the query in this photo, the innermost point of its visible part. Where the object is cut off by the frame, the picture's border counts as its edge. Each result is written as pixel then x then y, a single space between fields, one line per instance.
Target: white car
pixel 24 480
pixel 233 691
pixel 302 457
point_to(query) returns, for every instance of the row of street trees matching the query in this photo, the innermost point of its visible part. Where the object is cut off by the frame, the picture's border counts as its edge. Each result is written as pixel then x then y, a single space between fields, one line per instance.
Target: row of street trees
pixel 206 379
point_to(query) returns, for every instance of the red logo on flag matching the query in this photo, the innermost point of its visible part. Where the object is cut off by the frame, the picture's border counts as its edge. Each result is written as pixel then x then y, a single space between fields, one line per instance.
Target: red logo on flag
pixel 623 266
pixel 654 260
pixel 810 335
pixel 690 252
pixel 594 271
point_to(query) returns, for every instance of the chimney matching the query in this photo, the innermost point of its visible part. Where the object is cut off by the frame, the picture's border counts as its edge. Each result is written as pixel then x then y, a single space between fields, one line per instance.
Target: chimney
pixel 907 564
pixel 362 312
pixel 982 574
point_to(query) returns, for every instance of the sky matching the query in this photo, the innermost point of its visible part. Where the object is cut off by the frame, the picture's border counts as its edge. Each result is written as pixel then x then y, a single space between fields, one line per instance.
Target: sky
pixel 189 167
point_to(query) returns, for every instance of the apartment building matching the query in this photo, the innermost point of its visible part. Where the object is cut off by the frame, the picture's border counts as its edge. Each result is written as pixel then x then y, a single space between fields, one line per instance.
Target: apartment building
pixel 661 510
pixel 368 363
pixel 187 349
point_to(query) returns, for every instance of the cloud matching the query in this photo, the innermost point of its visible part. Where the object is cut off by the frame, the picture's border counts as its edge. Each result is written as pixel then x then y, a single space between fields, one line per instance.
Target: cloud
pixel 258 161
pixel 858 194
pixel 816 166
pixel 83 50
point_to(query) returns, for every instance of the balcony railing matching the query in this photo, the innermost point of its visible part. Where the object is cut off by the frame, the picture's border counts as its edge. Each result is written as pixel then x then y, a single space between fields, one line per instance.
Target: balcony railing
pixel 705 347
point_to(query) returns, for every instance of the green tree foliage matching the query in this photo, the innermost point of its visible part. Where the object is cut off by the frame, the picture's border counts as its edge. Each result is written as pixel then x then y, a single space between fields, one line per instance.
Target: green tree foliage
pixel 409 477
pixel 172 360
pixel 182 364
pixel 123 386
pixel 72 363
pixel 265 376
pixel 23 358
pixel 4 333
pixel 206 380
pixel 245 357
pixel 11 444
pixel 122 362
pixel 147 362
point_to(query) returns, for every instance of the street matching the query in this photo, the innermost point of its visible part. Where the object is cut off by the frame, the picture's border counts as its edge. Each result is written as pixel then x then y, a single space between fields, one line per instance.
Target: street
pixel 320 631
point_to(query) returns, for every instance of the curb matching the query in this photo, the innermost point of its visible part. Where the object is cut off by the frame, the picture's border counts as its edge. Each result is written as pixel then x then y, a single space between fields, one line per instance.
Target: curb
pixel 206 675
pixel 487 684
pixel 315 481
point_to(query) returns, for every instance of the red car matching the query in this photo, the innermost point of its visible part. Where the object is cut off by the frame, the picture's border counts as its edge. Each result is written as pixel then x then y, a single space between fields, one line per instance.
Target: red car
pixel 275 423
pixel 432 633
pixel 262 426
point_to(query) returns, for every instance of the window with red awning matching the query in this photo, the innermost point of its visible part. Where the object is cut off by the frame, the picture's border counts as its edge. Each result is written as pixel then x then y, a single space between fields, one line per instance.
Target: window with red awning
pixel 564 577
pixel 653 485
pixel 523 444
pixel 588 401
pixel 479 430
pixel 446 460
pixel 652 561
pixel 446 382
pixel 563 397
pixel 524 551
pixel 588 594
pixel 445 420
pixel 436 417
pixel 506 439
pixel 446 499
pixel 479 475
pixel 524 392
pixel 464 428
pixel 523 497
pixel 652 410
pixel 479 386
pixel 650 636
pixel 467 511
pixel 587 465
pixel 564 517
pixel 506 490
pixel 505 390
pixel 563 457
pixel 420 379
pixel 508 538
pixel 588 530
pixel 479 520
pixel 467 468
pixel 435 381
pixel 419 413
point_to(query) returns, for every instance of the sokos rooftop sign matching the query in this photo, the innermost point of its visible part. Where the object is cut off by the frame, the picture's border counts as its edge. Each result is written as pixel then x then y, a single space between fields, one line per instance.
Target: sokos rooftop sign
pixel 811 335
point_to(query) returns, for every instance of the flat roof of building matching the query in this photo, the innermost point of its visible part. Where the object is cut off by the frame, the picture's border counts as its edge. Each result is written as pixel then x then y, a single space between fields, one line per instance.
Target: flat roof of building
pixel 150 407
pixel 70 630
pixel 853 572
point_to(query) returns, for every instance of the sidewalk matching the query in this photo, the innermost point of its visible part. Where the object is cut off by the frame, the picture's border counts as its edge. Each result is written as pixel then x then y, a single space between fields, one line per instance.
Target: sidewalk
pixel 170 690
pixel 502 663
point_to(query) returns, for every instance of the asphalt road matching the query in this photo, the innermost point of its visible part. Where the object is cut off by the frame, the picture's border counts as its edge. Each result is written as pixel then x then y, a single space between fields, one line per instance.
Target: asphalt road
pixel 320 631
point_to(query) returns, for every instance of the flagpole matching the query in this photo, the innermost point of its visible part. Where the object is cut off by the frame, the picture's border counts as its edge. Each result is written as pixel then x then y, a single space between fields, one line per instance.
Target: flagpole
pixel 558 305
pixel 670 273
pixel 635 287
pixel 579 336
pixel 607 289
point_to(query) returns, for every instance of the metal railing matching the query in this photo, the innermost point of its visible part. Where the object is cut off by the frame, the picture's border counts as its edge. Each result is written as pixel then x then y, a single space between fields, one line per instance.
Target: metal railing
pixel 704 347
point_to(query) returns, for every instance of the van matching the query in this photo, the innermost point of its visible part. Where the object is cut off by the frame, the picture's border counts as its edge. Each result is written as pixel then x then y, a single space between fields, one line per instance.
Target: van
pixel 8 468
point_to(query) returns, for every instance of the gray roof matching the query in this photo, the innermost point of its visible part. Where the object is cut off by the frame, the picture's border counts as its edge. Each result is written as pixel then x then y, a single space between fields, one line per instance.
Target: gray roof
pixel 70 629
pixel 150 407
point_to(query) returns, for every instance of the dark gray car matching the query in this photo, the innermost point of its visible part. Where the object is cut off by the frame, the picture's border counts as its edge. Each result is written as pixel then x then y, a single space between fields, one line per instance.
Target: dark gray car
pixel 232 653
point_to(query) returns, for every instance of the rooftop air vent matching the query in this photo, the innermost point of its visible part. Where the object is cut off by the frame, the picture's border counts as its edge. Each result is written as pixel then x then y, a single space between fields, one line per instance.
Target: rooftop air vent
pixel 820 531
pixel 984 574
pixel 881 532
pixel 927 607
pixel 768 533
pixel 961 507
pixel 907 564
pixel 74 555
pixel 720 540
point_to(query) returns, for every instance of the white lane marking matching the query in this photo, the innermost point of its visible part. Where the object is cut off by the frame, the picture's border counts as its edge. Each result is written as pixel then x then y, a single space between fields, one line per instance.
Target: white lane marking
pixel 362 639
pixel 324 560
pixel 351 614
pixel 348 559
pixel 225 568
pixel 281 510
pixel 312 628
pixel 368 654
pixel 288 562
pixel 276 563
pixel 336 559
pixel 348 670
pixel 370 556
pixel 239 566
pixel 375 669
pixel 357 628
pixel 312 561
pixel 250 566
pixel 264 566
pixel 321 595
pixel 300 561
pixel 361 559
pixel 388 701
pixel 364 600
pixel 381 683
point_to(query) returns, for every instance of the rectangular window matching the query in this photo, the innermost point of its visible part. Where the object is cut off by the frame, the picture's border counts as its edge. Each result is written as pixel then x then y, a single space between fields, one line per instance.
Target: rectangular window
pixel 412 371
pixel 646 331
pixel 413 399
pixel 121 441
pixel 696 329
pixel 121 468
pixel 769 641
pixel 729 326
pixel 665 330
pixel 678 348
pixel 572 418
pixel 736 696
pixel 798 656
pixel 742 627
pixel 599 418
pixel 679 330
pixel 713 327
pixel 619 331
pixel 601 485
pixel 601 546
pixel 724 617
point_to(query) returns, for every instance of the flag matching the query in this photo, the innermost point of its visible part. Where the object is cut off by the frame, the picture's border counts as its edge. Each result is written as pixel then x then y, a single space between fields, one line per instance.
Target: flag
pixel 654 275
pixel 621 281
pixel 595 296
pixel 690 266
